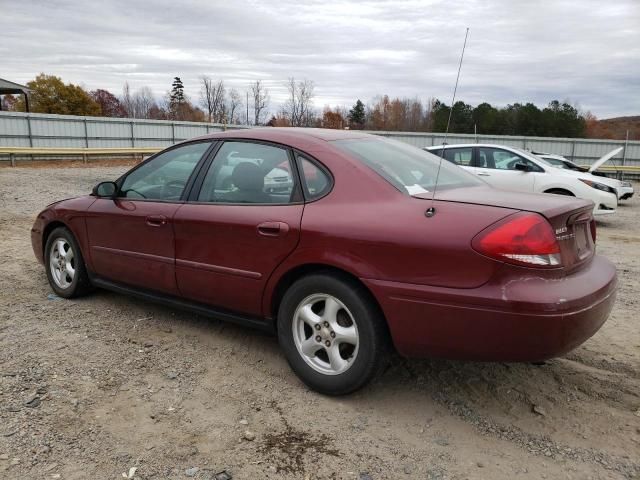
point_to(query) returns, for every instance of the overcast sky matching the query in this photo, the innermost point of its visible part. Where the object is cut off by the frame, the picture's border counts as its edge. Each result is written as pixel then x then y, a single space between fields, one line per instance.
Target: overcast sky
pixel 586 51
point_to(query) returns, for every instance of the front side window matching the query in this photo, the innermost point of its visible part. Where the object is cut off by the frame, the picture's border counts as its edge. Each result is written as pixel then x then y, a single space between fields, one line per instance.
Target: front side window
pixel 497 158
pixel 408 168
pixel 165 176
pixel 244 172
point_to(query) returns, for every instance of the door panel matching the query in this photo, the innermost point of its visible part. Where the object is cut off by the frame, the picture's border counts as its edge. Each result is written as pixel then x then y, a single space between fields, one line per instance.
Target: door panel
pixel 132 242
pixel 131 237
pixel 226 253
pixel 495 166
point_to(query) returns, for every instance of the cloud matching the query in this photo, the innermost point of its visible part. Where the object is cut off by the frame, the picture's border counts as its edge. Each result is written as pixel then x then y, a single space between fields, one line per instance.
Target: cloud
pixel 586 51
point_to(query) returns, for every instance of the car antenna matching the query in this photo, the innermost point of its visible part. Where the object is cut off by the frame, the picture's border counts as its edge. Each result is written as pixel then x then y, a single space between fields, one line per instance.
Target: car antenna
pixel 431 211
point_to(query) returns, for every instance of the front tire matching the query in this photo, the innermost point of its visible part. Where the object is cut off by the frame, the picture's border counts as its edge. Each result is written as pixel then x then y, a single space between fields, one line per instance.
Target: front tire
pixel 66 271
pixel 332 333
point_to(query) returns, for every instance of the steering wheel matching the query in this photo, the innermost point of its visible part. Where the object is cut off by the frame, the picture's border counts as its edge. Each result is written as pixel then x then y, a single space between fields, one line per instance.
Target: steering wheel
pixel 134 191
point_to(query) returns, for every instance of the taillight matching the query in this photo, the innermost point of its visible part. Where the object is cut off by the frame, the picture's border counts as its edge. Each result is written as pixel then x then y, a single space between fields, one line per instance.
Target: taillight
pixel 592 227
pixel 522 239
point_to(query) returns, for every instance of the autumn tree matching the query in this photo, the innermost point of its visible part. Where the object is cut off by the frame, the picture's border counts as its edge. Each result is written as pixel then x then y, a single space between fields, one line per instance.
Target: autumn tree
pixel 332 118
pixel 260 95
pixel 49 94
pixel 8 103
pixel 279 120
pixel 109 104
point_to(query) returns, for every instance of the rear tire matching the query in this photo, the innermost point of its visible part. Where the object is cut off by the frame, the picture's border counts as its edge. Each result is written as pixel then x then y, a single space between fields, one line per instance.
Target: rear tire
pixel 66 271
pixel 332 333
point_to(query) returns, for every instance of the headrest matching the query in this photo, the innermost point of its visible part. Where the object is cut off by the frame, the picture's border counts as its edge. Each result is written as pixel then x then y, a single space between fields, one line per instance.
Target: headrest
pixel 248 176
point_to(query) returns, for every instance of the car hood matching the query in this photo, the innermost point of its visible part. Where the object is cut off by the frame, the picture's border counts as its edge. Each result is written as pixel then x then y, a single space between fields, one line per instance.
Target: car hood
pixel 547 205
pixel 598 163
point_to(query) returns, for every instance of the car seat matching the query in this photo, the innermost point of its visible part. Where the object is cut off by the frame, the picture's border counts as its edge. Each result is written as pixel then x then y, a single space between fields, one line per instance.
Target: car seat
pixel 248 179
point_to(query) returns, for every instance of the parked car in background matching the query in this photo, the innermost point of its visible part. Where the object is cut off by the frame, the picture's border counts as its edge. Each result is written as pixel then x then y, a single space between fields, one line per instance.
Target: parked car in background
pixel 349 261
pixel 511 168
pixel 624 189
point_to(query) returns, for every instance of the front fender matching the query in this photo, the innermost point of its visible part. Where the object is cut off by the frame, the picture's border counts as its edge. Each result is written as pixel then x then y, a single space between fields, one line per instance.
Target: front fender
pixel 71 214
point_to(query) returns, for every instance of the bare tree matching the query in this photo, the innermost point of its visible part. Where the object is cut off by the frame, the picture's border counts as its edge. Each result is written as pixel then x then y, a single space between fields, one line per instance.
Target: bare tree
pixel 260 100
pixel 126 101
pixel 212 98
pixel 143 102
pixel 299 106
pixel 235 103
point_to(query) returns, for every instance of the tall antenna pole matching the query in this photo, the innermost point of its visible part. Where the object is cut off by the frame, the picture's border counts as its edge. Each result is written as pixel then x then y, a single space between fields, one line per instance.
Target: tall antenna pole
pixel 431 211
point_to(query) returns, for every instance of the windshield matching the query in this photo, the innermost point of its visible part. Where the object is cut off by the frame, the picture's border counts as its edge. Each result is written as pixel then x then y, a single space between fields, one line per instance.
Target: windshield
pixel 555 162
pixel 407 168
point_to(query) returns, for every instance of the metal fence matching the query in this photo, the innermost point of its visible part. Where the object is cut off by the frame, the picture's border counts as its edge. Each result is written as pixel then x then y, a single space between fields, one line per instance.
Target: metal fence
pixel 44 130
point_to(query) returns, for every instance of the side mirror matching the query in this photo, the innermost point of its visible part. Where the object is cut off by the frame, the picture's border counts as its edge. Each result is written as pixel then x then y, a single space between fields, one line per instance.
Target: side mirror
pixel 105 190
pixel 523 167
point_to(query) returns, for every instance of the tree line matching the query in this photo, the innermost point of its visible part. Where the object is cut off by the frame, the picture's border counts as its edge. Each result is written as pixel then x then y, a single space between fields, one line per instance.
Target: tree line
pixel 219 104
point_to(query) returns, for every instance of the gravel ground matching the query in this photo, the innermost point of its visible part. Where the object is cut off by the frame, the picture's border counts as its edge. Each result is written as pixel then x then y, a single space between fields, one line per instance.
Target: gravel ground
pixel 107 385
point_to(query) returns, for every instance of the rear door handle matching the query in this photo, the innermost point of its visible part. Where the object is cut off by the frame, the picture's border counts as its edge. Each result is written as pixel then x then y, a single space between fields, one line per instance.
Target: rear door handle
pixel 273 229
pixel 156 220
pixel 482 174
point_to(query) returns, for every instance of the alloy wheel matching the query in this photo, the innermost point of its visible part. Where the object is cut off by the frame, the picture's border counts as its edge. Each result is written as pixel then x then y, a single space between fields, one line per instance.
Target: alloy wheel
pixel 325 334
pixel 62 263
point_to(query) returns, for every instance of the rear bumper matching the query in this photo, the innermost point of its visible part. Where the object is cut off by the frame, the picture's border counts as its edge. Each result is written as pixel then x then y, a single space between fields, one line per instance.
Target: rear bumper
pixel 521 318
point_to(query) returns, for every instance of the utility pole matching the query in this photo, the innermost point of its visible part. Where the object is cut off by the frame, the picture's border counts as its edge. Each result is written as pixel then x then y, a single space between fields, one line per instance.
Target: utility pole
pixel 624 154
pixel 247 108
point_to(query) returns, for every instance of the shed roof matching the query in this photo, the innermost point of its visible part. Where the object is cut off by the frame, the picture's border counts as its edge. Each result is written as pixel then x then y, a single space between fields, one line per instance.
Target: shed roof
pixel 10 87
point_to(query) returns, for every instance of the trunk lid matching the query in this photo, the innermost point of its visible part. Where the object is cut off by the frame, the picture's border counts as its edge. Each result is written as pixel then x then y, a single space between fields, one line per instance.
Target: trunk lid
pixel 570 217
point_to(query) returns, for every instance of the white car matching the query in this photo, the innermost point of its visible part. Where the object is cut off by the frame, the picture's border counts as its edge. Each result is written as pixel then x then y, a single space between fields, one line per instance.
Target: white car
pixel 624 189
pixel 510 168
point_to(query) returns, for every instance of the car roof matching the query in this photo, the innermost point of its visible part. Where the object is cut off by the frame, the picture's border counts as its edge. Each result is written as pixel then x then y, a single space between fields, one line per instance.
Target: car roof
pixel 289 135
pixel 457 145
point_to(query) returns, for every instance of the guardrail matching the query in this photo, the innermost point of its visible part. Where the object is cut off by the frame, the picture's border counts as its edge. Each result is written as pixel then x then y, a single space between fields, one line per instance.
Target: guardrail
pixel 85 153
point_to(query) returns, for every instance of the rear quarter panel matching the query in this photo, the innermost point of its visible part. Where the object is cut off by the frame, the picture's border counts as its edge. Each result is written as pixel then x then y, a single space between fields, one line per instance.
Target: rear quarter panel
pixel 370 229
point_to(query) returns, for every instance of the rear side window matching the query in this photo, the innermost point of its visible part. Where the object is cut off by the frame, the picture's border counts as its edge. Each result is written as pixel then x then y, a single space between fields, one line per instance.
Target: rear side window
pixel 459 156
pixel 246 172
pixel 315 181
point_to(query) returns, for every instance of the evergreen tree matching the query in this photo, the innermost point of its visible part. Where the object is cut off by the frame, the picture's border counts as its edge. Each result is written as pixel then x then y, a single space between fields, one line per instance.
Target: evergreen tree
pixel 177 91
pixel 357 115
pixel 176 99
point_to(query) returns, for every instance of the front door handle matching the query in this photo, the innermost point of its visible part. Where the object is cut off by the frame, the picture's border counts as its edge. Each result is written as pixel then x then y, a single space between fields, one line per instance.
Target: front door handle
pixel 156 220
pixel 273 229
pixel 482 174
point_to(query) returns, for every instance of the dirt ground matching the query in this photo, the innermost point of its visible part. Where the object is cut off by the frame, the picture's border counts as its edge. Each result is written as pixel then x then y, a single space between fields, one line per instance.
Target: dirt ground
pixel 94 387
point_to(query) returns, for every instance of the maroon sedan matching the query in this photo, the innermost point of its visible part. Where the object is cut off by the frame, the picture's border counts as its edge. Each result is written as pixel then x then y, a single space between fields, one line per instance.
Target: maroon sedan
pixel 333 240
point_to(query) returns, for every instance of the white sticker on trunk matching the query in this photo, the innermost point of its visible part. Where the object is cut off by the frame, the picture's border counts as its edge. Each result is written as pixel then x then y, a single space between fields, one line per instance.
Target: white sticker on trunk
pixel 415 189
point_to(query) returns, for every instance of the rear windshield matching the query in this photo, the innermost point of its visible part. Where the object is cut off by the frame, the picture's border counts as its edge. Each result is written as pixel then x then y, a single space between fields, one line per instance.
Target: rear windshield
pixel 407 168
